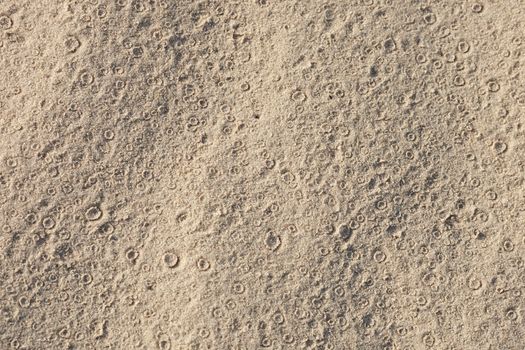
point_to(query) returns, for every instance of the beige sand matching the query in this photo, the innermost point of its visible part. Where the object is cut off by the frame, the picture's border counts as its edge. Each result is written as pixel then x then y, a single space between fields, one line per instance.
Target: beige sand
pixel 262 174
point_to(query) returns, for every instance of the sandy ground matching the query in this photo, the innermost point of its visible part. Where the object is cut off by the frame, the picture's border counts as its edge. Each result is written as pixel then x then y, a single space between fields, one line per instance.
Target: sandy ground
pixel 262 174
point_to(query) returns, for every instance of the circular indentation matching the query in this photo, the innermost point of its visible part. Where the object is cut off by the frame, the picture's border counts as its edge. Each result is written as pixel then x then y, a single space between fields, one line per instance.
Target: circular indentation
pixel 402 331
pixel 64 235
pixel 493 86
pixel 272 241
pixel 421 300
pixel 430 18
pixel 5 22
pixel 12 162
pixel 15 344
pixel 170 259
pixel 339 291
pixel 324 251
pixel 269 163
pixel 245 86
pixel 327 228
pixel 345 232
pixel 298 96
pixel 511 314
pixel 500 147
pixel 203 264
pixel 93 213
pixel 48 223
pixel 86 278
pixel 421 58
pixel 225 108
pixel 459 81
pixel 106 228
pixel 31 218
pixel 288 338
pixel 429 340
pixel 71 44
pixel 379 256
pixel 508 246
pixel 266 342
pixel 109 134
pixel 463 46
pixel 410 136
pixel 238 288
pixel 389 45
pixel 86 78
pixel 278 318
pixel 137 52
pixel 491 195
pixel 474 283
pixel 450 57
pixel 477 7
pixel 132 254
pixel 429 279
pixel 502 112
pixel 24 301
pixel 381 204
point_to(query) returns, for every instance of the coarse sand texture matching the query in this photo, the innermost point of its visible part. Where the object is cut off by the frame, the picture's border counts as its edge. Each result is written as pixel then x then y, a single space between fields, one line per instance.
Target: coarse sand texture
pixel 262 174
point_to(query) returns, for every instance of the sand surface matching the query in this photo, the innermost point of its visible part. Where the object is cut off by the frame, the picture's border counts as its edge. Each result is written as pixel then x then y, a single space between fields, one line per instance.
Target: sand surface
pixel 262 174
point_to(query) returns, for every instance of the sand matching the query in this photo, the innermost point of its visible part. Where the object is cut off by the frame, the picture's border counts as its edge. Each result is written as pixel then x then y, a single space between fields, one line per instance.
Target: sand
pixel 262 174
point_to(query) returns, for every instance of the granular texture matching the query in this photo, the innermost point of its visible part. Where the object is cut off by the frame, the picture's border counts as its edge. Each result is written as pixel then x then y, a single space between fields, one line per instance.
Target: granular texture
pixel 262 174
